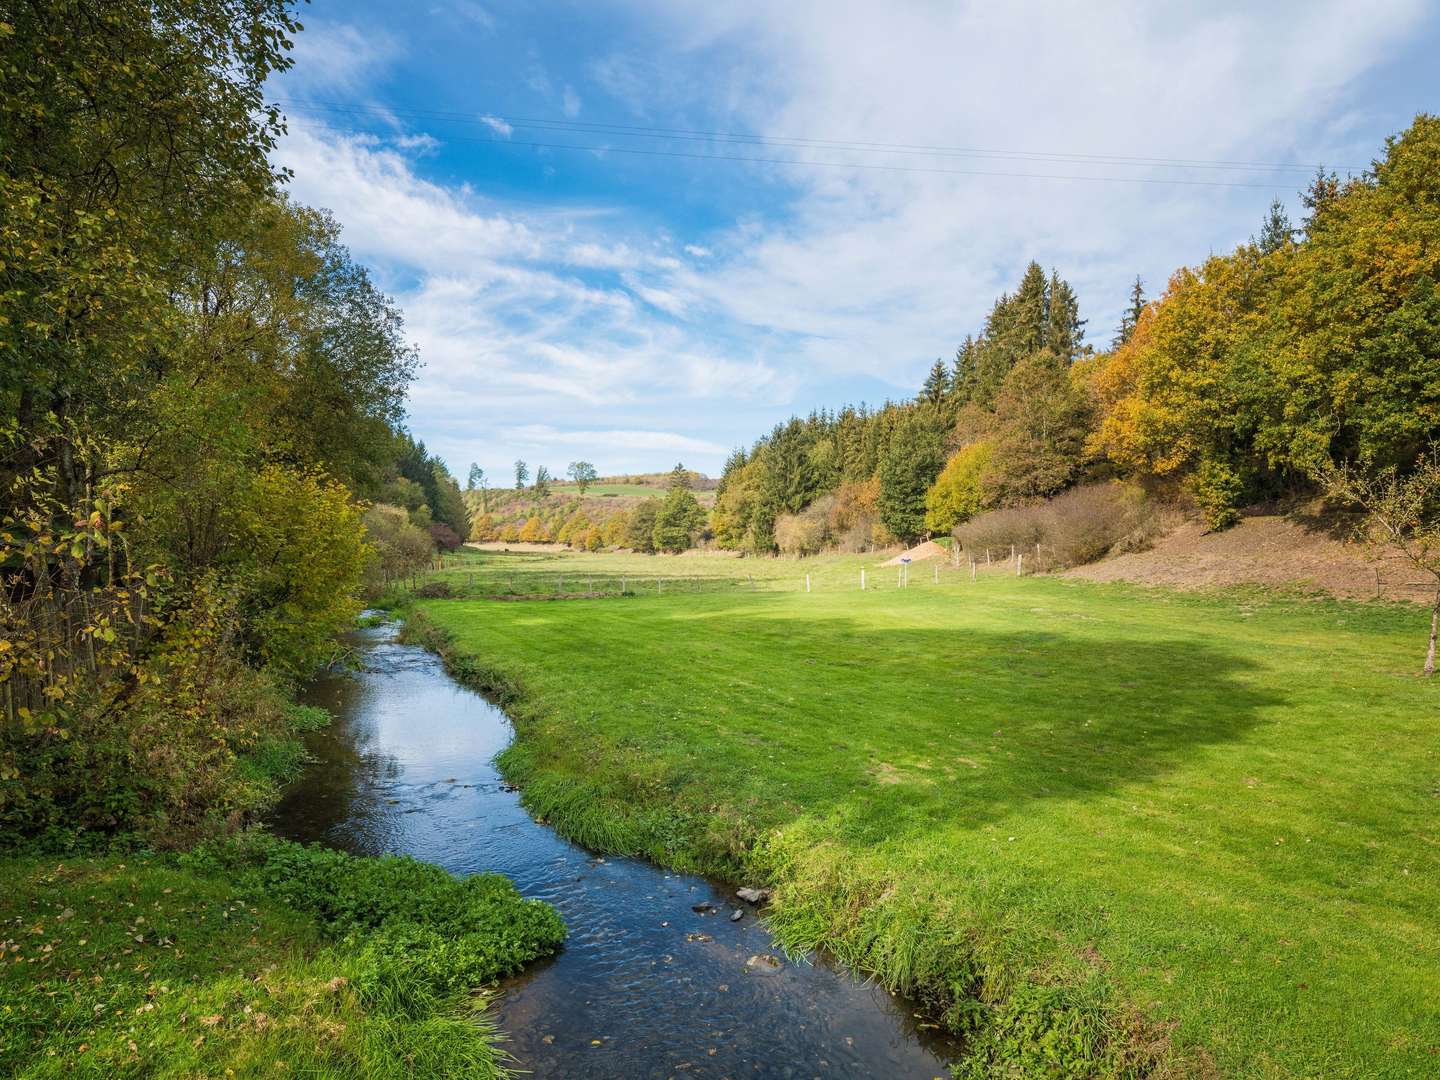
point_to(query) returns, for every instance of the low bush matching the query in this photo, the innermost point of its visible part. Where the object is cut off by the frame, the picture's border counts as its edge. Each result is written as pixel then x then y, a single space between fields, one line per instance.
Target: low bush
pixel 1079 526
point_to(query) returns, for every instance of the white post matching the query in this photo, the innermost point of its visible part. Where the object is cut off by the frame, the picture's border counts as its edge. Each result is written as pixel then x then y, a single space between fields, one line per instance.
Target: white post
pixel 987 556
pixel 862 579
pixel 1019 562
pixel 807 582
pixel 659 590
pixel 972 570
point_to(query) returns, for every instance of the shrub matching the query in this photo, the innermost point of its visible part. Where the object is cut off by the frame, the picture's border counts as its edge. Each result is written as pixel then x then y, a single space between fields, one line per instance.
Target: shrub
pixel 435 590
pixel 399 548
pixel 1024 527
pixel 445 538
pixel 304 563
pixel 1079 526
pixel 807 532
pixel 483 529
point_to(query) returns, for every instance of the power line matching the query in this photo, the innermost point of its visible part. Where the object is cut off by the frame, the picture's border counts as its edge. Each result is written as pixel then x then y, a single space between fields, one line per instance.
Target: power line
pixel 602 149
pixel 584 127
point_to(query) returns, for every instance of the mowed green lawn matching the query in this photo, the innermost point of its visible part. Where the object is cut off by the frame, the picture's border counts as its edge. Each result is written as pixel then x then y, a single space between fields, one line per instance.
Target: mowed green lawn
pixel 1222 810
pixel 641 491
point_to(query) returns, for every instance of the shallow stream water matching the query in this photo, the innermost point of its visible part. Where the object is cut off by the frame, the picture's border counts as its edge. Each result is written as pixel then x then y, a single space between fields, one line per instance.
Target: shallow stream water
pixel 645 986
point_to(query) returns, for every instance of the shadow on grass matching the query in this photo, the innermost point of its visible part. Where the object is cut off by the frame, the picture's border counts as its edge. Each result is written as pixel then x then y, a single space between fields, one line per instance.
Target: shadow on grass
pixel 899 731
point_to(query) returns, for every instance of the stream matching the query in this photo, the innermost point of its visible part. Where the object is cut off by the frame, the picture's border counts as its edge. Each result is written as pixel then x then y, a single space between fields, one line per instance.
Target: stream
pixel 645 986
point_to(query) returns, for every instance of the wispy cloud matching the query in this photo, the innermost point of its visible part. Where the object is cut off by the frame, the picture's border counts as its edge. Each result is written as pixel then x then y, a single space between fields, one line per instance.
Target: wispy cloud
pixel 531 319
pixel 497 125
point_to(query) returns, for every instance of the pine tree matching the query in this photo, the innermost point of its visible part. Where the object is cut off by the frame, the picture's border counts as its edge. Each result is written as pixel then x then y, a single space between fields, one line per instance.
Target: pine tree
pixel 936 384
pixel 963 371
pixel 1131 317
pixel 1065 330
pixel 1277 232
pixel 912 459
pixel 522 475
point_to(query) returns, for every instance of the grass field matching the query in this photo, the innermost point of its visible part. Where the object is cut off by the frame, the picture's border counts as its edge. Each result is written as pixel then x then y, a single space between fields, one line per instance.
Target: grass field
pixel 298 963
pixel 633 491
pixel 559 571
pixel 1101 826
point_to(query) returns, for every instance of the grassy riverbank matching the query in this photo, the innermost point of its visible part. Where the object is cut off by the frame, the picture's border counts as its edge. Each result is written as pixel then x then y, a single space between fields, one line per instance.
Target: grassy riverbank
pixel 256 958
pixel 1110 830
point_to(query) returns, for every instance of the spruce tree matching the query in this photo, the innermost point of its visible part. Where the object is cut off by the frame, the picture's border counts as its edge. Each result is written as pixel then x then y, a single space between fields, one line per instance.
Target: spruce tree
pixel 1131 316
pixel 936 385
pixel 909 464
pixel 1277 232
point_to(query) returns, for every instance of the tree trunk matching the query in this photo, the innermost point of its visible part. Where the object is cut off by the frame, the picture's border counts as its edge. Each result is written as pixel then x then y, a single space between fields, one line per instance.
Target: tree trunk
pixel 1434 625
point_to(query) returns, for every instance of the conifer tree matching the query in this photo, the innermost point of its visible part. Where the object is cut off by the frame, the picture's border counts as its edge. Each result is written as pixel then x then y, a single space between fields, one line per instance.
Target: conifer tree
pixel 1277 232
pixel 937 383
pixel 1132 314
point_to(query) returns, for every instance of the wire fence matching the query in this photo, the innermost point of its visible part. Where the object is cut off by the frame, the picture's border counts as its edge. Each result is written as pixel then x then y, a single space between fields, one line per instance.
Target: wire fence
pixel 462 578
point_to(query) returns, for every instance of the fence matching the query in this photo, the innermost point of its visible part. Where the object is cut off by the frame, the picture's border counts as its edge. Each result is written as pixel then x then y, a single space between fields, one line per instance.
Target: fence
pixel 462 579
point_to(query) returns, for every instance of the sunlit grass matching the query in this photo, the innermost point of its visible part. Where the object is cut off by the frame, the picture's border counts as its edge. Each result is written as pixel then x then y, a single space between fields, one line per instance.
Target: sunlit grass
pixel 1062 800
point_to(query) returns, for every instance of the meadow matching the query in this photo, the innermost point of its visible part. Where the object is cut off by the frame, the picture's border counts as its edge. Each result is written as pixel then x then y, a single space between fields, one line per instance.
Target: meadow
pixel 256 957
pixel 1102 829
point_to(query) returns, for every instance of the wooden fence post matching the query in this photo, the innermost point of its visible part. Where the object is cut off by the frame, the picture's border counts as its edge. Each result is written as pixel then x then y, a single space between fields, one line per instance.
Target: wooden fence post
pixel 807 582
pixel 1019 562
pixel 862 579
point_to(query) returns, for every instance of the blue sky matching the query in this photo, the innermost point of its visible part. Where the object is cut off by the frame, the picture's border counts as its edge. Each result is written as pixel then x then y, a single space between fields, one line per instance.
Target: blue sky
pixel 582 300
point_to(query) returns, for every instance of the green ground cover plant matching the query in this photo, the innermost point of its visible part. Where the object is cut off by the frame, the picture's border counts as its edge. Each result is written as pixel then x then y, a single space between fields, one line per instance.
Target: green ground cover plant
pixel 1104 830
pixel 256 957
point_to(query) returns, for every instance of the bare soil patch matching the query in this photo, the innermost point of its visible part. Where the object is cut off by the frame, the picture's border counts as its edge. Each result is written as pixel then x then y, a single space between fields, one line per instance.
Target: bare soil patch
pixel 928 550
pixel 1264 549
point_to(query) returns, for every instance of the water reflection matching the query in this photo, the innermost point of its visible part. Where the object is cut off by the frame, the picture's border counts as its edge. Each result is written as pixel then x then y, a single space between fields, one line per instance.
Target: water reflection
pixel 645 986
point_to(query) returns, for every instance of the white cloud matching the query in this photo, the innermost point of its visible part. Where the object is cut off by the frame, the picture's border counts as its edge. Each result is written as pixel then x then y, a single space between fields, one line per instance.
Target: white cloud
pixel 338 58
pixel 527 314
pixel 532 321
pixel 879 271
pixel 497 125
pixel 540 435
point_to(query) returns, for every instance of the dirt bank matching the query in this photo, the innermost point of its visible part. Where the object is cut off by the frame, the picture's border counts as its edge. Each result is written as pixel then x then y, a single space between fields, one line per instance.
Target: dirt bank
pixel 1265 549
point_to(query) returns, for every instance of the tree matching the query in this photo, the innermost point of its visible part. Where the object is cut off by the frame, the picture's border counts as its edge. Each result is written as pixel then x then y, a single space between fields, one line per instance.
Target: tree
pixel 583 474
pixel 957 494
pixel 534 531
pixel 679 478
pixel 1041 424
pixel 522 475
pixel 115 113
pixel 937 384
pixel 1277 231
pixel 542 484
pixel 1131 318
pixel 1402 513
pixel 640 531
pixel 908 466
pixel 483 528
pixel 678 518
